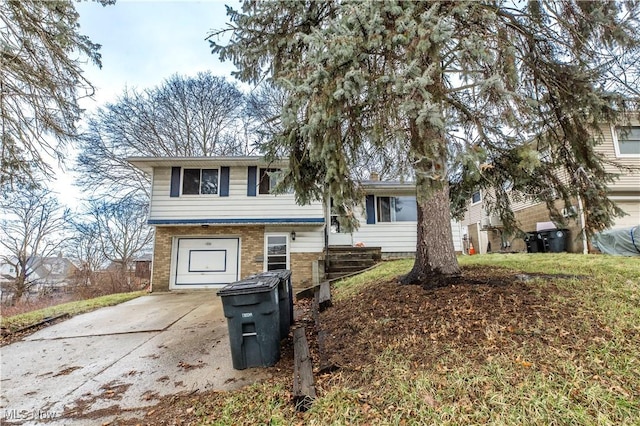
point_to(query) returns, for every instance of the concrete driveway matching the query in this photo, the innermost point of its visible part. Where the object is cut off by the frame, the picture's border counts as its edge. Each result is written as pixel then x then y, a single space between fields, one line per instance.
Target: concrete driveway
pixel 124 356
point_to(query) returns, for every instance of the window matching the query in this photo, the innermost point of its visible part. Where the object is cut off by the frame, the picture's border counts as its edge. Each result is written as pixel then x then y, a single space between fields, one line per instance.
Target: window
pixel 397 209
pixel 627 141
pixel 199 181
pixel 268 180
pixel 277 254
pixel 476 197
pixel 335 222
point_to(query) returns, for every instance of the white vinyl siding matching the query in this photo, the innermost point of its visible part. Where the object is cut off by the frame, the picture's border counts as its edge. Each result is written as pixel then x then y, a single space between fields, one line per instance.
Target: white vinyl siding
pixel 308 239
pixel 628 181
pixel 396 237
pixel 236 206
pixel 473 214
pixel 633 214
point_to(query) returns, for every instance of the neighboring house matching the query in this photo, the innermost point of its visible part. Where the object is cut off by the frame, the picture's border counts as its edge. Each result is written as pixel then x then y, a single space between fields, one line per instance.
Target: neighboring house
pixel 217 221
pixel 7 270
pixel 45 272
pixel 620 144
pixel 143 266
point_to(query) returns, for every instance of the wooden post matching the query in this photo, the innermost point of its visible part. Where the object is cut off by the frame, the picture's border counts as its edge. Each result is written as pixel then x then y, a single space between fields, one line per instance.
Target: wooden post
pixel 304 391
pixel 322 301
pixel 324 296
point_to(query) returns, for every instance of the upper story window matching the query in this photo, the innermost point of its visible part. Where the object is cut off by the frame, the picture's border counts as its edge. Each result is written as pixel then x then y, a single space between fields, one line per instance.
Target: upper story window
pixel 476 197
pixel 199 181
pixel 627 141
pixel 397 209
pixel 268 180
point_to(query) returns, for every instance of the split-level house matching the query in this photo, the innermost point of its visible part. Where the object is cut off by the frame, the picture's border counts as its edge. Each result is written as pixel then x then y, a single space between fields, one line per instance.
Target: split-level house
pixel 620 144
pixel 217 220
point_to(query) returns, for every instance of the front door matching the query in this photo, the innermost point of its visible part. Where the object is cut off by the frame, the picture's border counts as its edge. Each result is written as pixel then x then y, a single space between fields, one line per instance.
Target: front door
pixel 277 252
pixel 338 237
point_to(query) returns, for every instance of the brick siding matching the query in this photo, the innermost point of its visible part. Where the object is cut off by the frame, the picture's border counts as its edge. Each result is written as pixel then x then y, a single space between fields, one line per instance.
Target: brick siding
pixel 251 252
pixel 302 269
pixel 527 219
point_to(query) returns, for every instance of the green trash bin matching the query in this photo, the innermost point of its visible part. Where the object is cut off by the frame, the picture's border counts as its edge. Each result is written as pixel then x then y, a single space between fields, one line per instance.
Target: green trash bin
pixel 543 240
pixel 531 239
pixel 253 319
pixel 558 240
pixel 285 297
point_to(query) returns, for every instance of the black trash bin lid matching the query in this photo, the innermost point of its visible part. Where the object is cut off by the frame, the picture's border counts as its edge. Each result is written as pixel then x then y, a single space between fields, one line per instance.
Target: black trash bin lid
pixel 249 285
pixel 284 274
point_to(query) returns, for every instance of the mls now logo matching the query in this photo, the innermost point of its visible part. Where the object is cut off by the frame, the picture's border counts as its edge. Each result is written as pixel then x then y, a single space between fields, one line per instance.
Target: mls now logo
pixel 29 415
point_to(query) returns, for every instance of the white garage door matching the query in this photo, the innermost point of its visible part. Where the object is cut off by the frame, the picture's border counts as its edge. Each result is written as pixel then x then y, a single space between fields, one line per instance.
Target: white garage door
pixel 633 218
pixel 205 262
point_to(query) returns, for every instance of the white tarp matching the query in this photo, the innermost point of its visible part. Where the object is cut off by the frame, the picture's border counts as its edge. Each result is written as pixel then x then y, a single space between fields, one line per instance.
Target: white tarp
pixel 622 242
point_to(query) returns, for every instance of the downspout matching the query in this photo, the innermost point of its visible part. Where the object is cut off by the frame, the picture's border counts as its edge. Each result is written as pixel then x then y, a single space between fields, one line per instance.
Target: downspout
pixel 327 224
pixel 585 248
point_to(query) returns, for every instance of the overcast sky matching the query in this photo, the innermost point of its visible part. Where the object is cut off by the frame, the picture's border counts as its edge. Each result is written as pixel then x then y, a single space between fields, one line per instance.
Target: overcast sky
pixel 143 43
pixel 146 41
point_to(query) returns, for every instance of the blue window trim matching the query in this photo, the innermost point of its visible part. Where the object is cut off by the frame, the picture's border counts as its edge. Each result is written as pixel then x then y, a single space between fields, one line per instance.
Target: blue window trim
pixel 371 209
pixel 224 181
pixel 175 182
pixel 252 176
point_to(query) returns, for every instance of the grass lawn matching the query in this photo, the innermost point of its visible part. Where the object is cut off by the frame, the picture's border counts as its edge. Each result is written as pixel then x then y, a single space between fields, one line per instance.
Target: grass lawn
pixel 16 322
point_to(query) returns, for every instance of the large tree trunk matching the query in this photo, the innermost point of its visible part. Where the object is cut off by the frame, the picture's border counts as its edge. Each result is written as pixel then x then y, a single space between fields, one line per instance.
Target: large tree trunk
pixel 436 263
